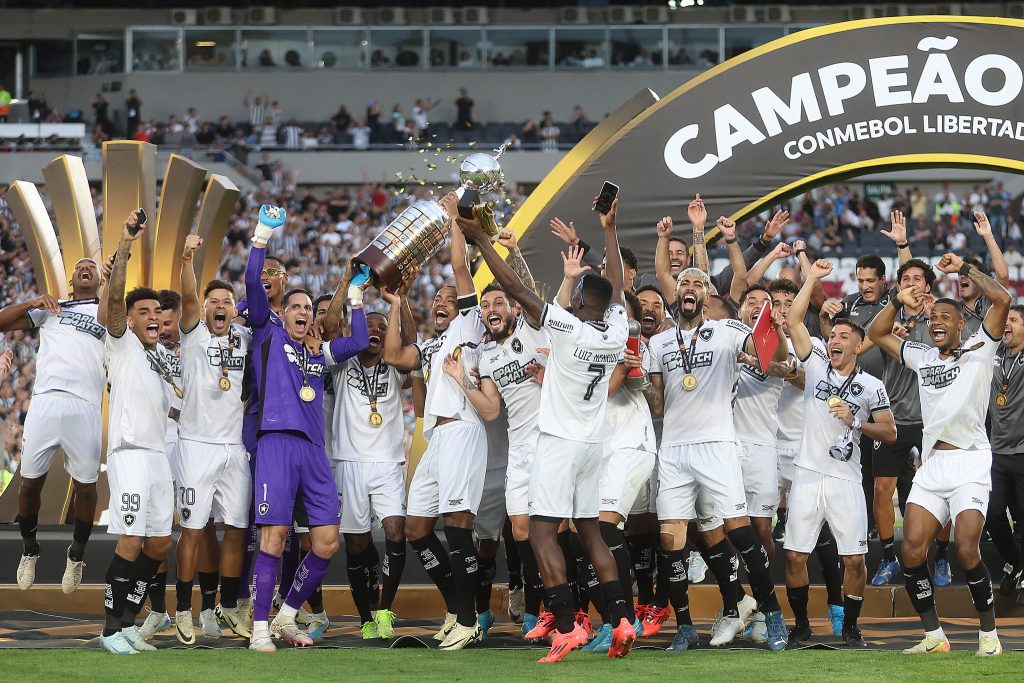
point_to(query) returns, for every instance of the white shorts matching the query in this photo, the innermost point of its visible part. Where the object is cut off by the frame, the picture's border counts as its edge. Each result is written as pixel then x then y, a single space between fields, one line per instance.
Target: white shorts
pixel 646 501
pixel 369 492
pixel 787 461
pixel 949 482
pixel 816 498
pixel 490 518
pixel 57 419
pixel 212 480
pixel 172 446
pixel 623 474
pixel 517 476
pixel 141 493
pixel 564 479
pixel 712 468
pixel 450 475
pixel 760 467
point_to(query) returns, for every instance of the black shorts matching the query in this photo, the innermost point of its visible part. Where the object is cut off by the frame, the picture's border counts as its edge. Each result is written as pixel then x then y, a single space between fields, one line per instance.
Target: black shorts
pixel 890 459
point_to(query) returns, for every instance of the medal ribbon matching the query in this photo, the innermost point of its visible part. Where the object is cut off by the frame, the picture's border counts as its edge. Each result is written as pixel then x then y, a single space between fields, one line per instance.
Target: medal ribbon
pixel 165 372
pixel 687 356
pixel 841 393
pixel 371 394
pixel 223 359
pixel 1007 374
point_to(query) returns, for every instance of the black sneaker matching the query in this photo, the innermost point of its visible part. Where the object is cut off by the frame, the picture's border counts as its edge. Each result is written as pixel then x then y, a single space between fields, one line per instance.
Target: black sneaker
pixel 872 534
pixel 798 635
pixel 1020 599
pixel 852 637
pixel 779 532
pixel 1011 579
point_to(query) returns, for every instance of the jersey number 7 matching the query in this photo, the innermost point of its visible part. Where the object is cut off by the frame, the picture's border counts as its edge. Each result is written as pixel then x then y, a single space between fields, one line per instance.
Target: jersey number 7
pixel 598 371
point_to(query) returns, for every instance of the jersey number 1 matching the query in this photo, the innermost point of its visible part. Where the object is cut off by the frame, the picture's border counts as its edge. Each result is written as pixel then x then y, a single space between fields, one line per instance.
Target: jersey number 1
pixel 598 371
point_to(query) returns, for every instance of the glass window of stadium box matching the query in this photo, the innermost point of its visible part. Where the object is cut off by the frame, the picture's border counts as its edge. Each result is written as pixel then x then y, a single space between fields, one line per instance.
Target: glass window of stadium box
pixel 52 58
pixel 275 48
pixel 340 49
pixel 739 40
pixel 155 50
pixel 396 48
pixel 456 48
pixel 210 49
pixel 99 53
pixel 581 48
pixel 638 48
pixel 518 48
pixel 694 48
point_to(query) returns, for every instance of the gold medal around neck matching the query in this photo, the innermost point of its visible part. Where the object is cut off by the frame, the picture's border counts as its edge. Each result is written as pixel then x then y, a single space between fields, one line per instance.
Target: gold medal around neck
pixel 689 381
pixel 307 393
pixel 376 419
pixel 224 384
pixel 833 401
pixel 1001 400
pixel 178 392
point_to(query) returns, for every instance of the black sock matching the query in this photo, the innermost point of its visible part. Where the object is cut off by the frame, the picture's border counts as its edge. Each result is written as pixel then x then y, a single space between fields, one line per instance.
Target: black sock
pixel 183 594
pixel 615 539
pixel 559 602
pixel 798 596
pixel 941 547
pixel 758 570
pixel 592 590
pixel 888 549
pixel 229 591
pixel 438 565
pixel 672 573
pixel 512 561
pixel 618 607
pixel 783 515
pixel 533 588
pixel 359 582
pixel 392 568
pixel 157 592
pixel 565 543
pixel 143 571
pixel 660 597
pixel 28 526
pixel 118 579
pixel 316 600
pixel 922 594
pixel 83 529
pixel 851 611
pixel 488 569
pixel 725 566
pixel 642 551
pixel 979 582
pixel 208 589
pixel 373 567
pixel 831 566
pixel 465 572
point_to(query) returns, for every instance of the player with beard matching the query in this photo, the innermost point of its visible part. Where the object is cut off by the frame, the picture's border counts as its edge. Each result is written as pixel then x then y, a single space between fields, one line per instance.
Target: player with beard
pixel 585 348
pixel 449 478
pixel 64 413
pixel 369 453
pixel 141 489
pixel 291 458
pixel 841 403
pixel 212 469
pixel 954 480
pixel 694 374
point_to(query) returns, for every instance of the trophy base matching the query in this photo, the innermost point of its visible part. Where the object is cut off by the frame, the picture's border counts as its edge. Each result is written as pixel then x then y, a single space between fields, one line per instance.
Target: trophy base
pixel 384 270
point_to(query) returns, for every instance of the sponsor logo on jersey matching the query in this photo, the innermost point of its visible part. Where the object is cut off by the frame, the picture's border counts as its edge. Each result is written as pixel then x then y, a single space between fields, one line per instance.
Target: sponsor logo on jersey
pixel 754 372
pixel 354 379
pixel 218 355
pixel 510 373
pixel 560 326
pixel 83 322
pixel 823 389
pixel 673 360
pixel 311 368
pixel 938 376
pixel 454 501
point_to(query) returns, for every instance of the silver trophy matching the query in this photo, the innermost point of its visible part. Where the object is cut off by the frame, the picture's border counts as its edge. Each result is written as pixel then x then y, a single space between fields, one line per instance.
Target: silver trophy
pixel 421 230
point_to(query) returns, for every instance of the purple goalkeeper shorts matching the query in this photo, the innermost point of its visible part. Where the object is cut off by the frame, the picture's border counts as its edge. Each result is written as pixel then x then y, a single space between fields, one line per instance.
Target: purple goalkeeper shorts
pixel 288 465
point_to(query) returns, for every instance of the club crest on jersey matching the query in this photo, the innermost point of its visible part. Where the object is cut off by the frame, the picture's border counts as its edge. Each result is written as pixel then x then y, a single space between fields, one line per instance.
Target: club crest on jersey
pixel 311 367
pixel 83 323
pixel 185 513
pixel 517 345
pixel 938 376
pixel 218 355
pixel 129 519
pixel 264 508
pixel 707 333
pixel 856 389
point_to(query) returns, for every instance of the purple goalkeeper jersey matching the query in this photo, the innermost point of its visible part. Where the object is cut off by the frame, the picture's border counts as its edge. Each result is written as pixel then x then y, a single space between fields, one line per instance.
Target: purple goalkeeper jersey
pixel 282 366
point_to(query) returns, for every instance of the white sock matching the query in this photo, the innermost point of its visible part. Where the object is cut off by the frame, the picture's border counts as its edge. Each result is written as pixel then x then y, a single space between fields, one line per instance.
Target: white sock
pixel 987 634
pixel 260 628
pixel 937 633
pixel 287 612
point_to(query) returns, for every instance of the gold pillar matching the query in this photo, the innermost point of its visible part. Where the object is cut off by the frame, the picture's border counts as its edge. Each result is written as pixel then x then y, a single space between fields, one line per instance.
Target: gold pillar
pixel 68 187
pixel 129 183
pixel 37 230
pixel 214 215
pixel 183 180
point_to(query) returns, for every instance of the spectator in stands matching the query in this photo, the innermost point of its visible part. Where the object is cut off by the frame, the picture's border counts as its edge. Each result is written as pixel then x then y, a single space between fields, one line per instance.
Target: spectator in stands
pixel 267 132
pixel 325 137
pixel 513 142
pixel 37 108
pixel 529 133
pixel 378 59
pixel 466 60
pixel 419 115
pixel 175 131
pixel 593 60
pixel 133 109
pixel 403 129
pixel 342 119
pixel 292 134
pixel 255 107
pixel 373 112
pixel 579 122
pixel 101 113
pixel 276 114
pixel 225 130
pixel 549 133
pixel 266 59
pixel 464 107
pixel 206 135
pixel 239 148
pixel 360 133
pixel 5 103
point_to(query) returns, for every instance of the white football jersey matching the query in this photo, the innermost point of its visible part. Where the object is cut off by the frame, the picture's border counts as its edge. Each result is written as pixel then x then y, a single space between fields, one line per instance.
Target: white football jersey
pixel 330 401
pixel 497 433
pixel 828 446
pixel 505 363
pixel 139 396
pixel 171 357
pixel 445 398
pixel 355 439
pixel 71 350
pixel 790 413
pixel 954 391
pixel 704 414
pixel 208 413
pixel 629 416
pixel 574 396
pixel 757 400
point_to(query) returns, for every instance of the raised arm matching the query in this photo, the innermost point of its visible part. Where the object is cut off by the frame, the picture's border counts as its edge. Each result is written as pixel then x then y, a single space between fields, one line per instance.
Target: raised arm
pixel 755 251
pixel 995 318
pixel 459 253
pixel 190 304
pixel 818 294
pixel 999 268
pixel 698 215
pixel 571 271
pixel 758 270
pixel 344 348
pixel 897 232
pixel 738 285
pixel 798 333
pixel 612 256
pixel 333 316
pixel 663 262
pixel 398 352
pixel 270 218
pixel 117 312
pixel 880 330
pixel 515 260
